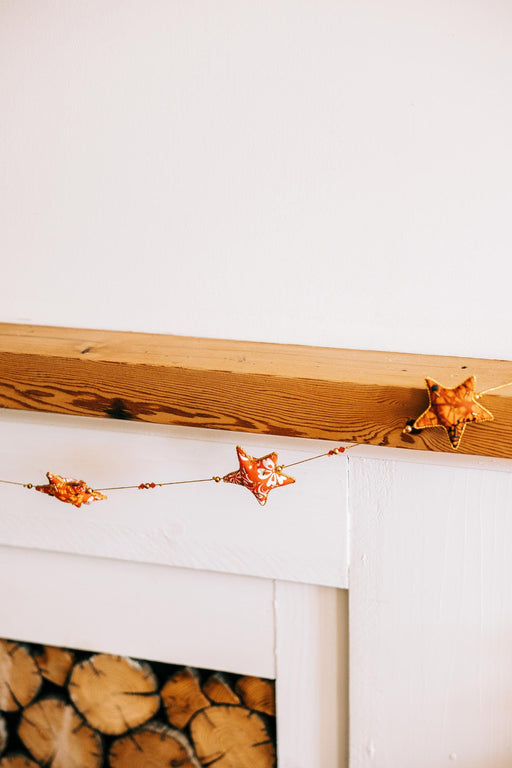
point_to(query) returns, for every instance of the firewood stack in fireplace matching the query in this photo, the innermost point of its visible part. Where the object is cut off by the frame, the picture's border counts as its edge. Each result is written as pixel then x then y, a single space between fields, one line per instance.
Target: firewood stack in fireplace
pixel 73 709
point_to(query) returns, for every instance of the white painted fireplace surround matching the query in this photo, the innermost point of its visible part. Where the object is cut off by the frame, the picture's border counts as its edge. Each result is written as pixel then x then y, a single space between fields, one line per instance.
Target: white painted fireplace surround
pixel 403 556
pixel 199 575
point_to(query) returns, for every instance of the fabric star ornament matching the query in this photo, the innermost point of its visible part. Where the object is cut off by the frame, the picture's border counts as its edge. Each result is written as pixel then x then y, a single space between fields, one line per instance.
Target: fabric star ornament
pixel 75 492
pixel 452 408
pixel 260 476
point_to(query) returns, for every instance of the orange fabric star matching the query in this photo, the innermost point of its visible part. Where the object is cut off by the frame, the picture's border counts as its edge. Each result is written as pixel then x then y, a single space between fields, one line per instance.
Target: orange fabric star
pixel 260 476
pixel 75 492
pixel 452 408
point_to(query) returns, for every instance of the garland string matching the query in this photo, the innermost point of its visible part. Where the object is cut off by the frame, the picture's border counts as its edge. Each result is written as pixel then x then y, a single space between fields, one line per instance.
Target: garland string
pixel 333 452
pixel 260 476
pixel 156 485
pixel 492 389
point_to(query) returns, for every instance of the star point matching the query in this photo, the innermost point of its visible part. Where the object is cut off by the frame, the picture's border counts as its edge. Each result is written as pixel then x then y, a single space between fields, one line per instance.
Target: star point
pixel 452 408
pixel 259 476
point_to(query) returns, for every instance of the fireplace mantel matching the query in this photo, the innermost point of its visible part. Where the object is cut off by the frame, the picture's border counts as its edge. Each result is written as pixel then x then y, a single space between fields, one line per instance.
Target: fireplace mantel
pixel 299 391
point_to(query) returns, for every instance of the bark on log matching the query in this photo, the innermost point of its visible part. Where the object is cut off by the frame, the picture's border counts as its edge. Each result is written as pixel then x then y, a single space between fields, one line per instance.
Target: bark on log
pixel 57 737
pixel 3 734
pixel 114 693
pixel 55 663
pixel 17 761
pixel 219 691
pixel 20 679
pixel 257 693
pixel 151 746
pixel 231 737
pixel 182 697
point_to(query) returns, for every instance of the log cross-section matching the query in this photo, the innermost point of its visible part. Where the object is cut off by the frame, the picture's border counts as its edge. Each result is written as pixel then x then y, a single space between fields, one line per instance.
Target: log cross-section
pixel 300 391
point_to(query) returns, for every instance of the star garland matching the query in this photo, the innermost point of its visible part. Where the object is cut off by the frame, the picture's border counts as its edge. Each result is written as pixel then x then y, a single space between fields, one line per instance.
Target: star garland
pixel 260 476
pixel 451 408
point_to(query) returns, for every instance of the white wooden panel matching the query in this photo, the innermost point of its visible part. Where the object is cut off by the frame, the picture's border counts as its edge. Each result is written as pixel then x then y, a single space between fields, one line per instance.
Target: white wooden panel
pixel 312 669
pixel 208 620
pixel 299 535
pixel 430 615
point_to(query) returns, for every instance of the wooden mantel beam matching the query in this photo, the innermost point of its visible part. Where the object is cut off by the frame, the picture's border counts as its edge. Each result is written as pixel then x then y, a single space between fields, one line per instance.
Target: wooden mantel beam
pixel 314 392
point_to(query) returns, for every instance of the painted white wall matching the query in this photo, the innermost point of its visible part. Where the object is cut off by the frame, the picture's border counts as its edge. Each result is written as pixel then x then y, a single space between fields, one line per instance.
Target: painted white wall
pixel 332 173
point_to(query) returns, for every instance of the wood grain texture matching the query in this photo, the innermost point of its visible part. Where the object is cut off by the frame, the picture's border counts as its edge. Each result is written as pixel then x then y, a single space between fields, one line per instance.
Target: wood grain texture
pixel 293 390
pixel 257 694
pixel 114 693
pixel 20 679
pixel 55 663
pixel 151 746
pixel 17 761
pixel 219 691
pixel 182 697
pixel 232 737
pixel 56 736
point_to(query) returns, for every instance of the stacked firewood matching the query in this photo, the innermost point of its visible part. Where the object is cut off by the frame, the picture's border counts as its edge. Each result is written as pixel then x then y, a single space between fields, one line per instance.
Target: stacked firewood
pixel 69 709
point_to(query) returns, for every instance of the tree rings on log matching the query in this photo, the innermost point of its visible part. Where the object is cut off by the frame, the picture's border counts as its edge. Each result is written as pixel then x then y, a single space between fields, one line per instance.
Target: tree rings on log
pixel 114 693
pixel 57 737
pixel 150 746
pixel 257 693
pixel 17 761
pixel 182 697
pixel 113 711
pixel 219 691
pixel 231 737
pixel 55 663
pixel 20 679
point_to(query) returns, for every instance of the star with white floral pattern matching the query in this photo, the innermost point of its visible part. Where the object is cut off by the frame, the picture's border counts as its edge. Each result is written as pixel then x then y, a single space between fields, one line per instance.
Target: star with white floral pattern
pixel 260 476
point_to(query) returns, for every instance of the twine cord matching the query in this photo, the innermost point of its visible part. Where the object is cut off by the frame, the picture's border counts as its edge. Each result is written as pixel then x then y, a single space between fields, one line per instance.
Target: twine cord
pixel 158 485
pixel 493 389
pixel 189 482
pixel 320 455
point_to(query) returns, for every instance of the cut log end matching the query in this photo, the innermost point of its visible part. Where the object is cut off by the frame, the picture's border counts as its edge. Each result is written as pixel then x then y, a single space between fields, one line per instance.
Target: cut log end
pixel 114 693
pixel 55 734
pixel 257 693
pixel 20 679
pixel 55 664
pixel 150 746
pixel 17 761
pixel 218 690
pixel 232 737
pixel 182 697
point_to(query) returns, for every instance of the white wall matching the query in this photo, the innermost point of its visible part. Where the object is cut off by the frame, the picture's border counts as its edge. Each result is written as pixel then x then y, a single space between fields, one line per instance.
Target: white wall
pixel 333 172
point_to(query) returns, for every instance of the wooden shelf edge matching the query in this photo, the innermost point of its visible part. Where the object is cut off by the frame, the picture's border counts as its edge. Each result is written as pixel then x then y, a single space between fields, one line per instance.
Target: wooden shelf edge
pixel 301 391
